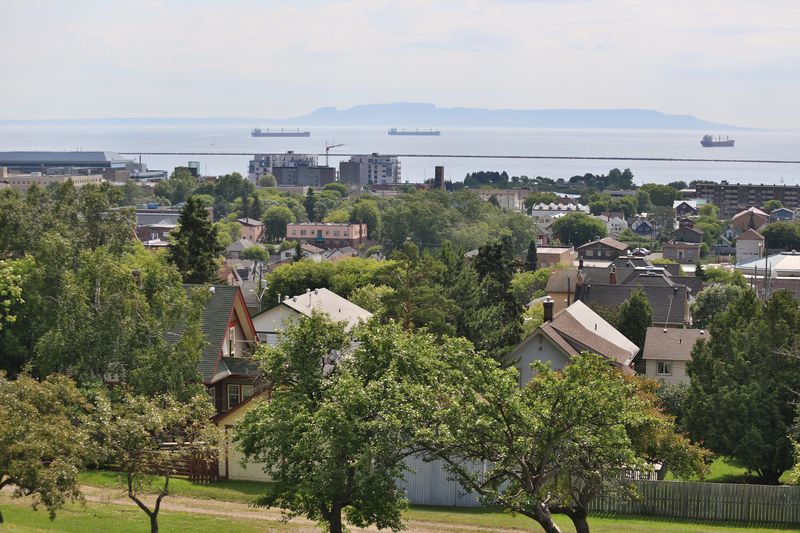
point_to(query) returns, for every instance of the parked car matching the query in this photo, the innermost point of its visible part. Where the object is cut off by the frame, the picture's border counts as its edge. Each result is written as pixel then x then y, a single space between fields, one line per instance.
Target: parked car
pixel 641 252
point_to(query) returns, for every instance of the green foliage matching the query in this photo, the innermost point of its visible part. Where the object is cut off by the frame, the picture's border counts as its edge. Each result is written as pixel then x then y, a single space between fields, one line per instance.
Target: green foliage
pixel 782 235
pixel 135 434
pixel 677 185
pixel 372 298
pixel 528 285
pixel 333 441
pixel 267 180
pixel 194 249
pixel 578 229
pixel 553 445
pixel 10 290
pixel 741 400
pixel 661 195
pixel 275 220
pixel 341 188
pixel 771 205
pixel 725 277
pixel 712 301
pixel 44 442
pixel 228 232
pixel 255 253
pixel 602 203
pixel 635 316
pixel 539 198
pixel 531 257
pixel 178 187
pixel 366 212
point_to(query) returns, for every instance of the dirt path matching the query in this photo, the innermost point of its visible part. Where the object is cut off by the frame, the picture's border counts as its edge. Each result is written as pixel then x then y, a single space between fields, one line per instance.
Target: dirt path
pixel 244 511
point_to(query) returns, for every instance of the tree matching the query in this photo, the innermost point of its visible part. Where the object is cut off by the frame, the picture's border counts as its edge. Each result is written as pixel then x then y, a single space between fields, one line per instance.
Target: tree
pixel 699 272
pixel 336 430
pixel 255 253
pixel 341 188
pixel 677 185
pixel 298 252
pixel 137 434
pixel 194 249
pixel 309 202
pixel 178 187
pixel 782 235
pixel 267 180
pixel 712 301
pixel 553 445
pixel 275 221
pixel 772 205
pixel 365 212
pixel 661 195
pixel 43 442
pixel 10 290
pixel 578 229
pixel 531 258
pixel 741 400
pixel 635 316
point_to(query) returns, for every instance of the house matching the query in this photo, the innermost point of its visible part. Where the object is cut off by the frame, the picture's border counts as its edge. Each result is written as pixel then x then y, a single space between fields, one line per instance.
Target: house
pixel 603 249
pixel 271 322
pixel 669 302
pixel 614 225
pixel 666 352
pixel 687 234
pixel 565 334
pixel 782 214
pixel 723 246
pixel 228 372
pixel 545 214
pixel 155 223
pixel 685 208
pixel 750 218
pixel 232 464
pixel 682 252
pixel 234 250
pixel 507 199
pixel 749 246
pixel 642 227
pixel 685 222
pixel 548 256
pixel 252 229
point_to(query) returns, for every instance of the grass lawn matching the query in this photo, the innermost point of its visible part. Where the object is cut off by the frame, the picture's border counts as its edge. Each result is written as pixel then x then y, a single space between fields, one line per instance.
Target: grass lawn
pixel 226 490
pixel 727 470
pixel 426 517
pixel 97 517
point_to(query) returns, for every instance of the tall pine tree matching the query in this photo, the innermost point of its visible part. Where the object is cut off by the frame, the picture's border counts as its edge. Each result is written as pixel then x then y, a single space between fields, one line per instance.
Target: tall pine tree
pixel 532 257
pixel 195 250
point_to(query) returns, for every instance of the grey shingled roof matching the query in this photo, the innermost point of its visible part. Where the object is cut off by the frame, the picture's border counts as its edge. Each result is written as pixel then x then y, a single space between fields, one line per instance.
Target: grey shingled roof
pixel 658 296
pixel 671 344
pixel 215 328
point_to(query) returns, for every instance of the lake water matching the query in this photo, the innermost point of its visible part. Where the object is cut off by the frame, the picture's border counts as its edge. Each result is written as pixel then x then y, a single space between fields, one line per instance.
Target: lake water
pixel 465 141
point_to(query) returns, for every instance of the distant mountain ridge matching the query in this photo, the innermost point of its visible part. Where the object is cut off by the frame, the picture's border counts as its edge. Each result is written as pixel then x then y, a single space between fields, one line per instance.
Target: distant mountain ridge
pixel 425 115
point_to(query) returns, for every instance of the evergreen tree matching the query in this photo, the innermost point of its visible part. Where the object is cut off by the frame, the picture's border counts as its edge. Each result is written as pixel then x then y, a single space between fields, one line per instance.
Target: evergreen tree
pixel 699 272
pixel 244 206
pixel 308 202
pixel 195 249
pixel 531 258
pixel 256 209
pixel 298 252
pixel 635 316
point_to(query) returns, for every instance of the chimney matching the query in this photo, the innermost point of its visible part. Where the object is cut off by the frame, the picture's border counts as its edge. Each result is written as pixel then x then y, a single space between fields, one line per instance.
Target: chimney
pixel 548 309
pixel 612 276
pixel 438 177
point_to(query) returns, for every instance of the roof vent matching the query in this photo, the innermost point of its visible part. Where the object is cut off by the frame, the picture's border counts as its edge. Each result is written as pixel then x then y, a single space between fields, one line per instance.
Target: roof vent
pixel 664 330
pixel 680 341
pixel 212 290
pixel 702 332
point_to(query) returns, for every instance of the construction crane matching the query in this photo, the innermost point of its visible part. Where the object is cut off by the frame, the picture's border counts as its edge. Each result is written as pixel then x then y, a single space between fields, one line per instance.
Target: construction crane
pixel 328 149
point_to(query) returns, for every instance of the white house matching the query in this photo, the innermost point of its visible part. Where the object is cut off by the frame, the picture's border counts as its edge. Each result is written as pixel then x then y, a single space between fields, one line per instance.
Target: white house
pixel 749 246
pixel 545 214
pixel 614 225
pixel 666 352
pixel 271 322
pixel 573 330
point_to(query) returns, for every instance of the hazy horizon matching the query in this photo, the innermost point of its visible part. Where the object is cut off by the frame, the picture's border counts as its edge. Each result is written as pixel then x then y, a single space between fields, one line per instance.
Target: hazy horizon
pixel 725 61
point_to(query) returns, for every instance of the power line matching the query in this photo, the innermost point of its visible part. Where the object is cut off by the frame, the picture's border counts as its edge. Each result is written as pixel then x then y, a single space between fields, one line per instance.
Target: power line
pixel 482 156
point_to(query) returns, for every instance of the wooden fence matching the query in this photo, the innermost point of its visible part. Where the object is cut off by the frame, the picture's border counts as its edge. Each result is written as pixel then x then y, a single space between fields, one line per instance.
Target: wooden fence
pixel 748 504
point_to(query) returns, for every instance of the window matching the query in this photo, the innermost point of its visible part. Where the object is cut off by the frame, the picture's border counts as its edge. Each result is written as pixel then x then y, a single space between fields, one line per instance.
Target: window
pixel 663 368
pixel 589 253
pixel 154 236
pixel 302 232
pixel 233 396
pixel 247 391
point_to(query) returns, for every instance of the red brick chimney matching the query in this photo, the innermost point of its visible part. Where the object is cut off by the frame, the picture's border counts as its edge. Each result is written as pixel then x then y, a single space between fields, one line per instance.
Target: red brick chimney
pixel 612 276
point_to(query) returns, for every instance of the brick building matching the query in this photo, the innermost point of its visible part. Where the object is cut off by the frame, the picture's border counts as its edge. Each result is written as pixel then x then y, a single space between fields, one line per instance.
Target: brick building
pixel 328 235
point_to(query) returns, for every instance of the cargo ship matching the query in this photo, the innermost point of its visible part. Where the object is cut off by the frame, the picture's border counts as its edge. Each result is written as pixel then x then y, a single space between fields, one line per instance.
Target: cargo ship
pixel 395 131
pixel 709 142
pixel 258 132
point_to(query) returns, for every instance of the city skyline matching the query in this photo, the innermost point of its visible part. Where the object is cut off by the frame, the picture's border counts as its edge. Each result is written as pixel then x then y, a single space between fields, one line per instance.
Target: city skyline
pixel 724 61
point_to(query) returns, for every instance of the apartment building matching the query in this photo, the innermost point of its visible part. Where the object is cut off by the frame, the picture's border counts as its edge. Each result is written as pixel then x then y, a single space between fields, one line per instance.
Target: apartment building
pixel 732 198
pixel 265 163
pixel 370 169
pixel 328 235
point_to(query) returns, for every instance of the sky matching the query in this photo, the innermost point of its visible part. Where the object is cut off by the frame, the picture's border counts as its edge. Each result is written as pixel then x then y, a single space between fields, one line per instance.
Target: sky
pixel 729 61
